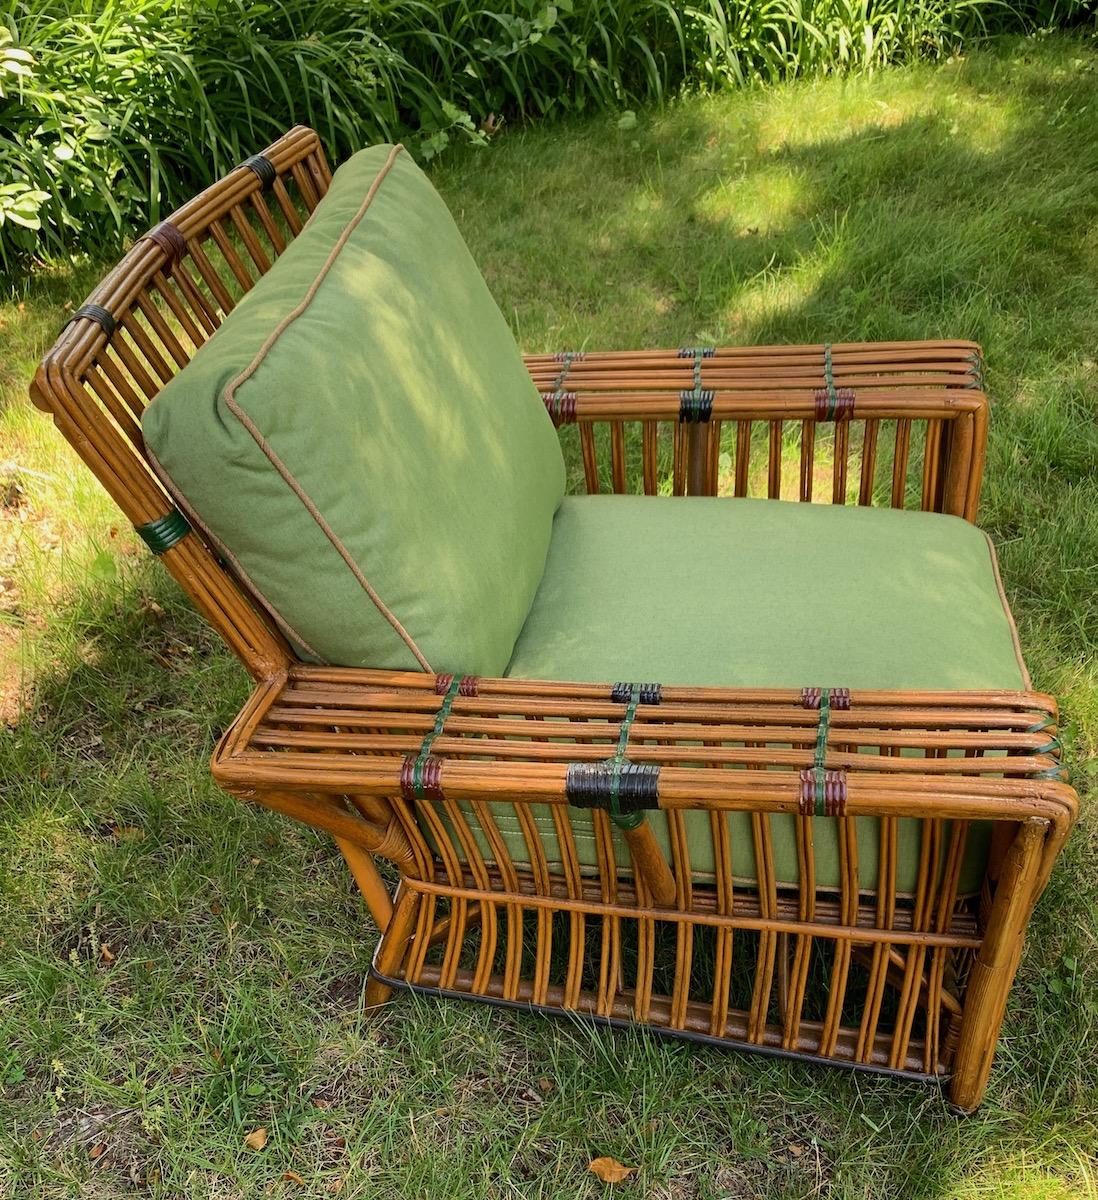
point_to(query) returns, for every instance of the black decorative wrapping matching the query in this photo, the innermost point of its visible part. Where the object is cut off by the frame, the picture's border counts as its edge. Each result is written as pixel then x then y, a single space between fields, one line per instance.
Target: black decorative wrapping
pixel 591 785
pixel 696 405
pixel 261 166
pixel 97 313
pixel 647 693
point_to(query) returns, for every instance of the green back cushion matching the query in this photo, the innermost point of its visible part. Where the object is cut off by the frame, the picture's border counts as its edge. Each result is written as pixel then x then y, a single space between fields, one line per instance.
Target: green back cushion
pixel 762 593
pixel 362 439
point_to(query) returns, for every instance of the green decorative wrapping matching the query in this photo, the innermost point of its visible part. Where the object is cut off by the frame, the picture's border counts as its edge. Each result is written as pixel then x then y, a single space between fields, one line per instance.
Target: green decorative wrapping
pixel 624 789
pixel 823 729
pixel 696 404
pixel 823 793
pixel 165 532
pixel 624 820
pixel 566 358
pixel 1054 746
pixel 976 379
pixel 418 788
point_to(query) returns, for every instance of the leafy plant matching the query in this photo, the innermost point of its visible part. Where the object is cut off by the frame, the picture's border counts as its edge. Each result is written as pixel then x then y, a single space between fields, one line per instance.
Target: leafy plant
pixel 126 107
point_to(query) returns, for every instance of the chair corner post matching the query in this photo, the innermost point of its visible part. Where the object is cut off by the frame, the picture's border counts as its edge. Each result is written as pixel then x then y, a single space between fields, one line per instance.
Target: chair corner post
pixel 996 963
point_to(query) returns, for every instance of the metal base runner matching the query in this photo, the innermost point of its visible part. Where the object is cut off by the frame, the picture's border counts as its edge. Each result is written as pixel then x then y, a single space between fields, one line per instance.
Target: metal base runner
pixel 683 1035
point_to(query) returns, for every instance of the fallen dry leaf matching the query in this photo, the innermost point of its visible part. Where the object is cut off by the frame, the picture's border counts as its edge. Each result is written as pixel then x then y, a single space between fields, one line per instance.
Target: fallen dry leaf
pixel 292 1177
pixel 97 1151
pixel 609 1170
pixel 257 1139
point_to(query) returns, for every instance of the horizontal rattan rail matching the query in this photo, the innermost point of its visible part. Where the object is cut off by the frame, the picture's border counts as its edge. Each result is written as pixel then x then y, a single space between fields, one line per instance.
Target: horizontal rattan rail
pixel 919 969
pixel 865 970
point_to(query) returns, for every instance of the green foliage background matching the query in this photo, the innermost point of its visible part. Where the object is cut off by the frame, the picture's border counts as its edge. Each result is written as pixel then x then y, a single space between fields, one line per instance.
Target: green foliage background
pixel 129 106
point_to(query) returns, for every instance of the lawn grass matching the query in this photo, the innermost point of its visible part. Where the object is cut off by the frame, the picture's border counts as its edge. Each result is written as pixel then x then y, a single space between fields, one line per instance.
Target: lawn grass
pixel 177 970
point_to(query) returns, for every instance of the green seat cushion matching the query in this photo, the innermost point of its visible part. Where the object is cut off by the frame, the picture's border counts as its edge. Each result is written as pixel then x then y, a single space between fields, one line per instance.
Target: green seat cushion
pixel 363 442
pixel 765 593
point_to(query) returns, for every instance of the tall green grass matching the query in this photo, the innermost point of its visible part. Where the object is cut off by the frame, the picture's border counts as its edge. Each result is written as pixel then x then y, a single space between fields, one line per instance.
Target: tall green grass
pixel 111 112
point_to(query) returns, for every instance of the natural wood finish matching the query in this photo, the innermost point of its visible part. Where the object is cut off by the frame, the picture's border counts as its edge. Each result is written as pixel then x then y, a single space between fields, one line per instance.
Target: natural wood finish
pixel 901 388
pixel 861 973
pixel 649 862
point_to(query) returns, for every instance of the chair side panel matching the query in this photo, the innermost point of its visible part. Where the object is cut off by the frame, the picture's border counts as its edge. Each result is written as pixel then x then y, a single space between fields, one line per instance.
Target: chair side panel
pixel 145 321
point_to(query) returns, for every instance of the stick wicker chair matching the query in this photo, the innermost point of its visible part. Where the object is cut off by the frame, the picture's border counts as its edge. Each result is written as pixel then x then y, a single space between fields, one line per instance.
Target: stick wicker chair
pixel 764 843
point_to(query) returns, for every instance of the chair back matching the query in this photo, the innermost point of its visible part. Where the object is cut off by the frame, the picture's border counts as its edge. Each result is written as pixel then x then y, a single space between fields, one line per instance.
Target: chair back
pixel 143 323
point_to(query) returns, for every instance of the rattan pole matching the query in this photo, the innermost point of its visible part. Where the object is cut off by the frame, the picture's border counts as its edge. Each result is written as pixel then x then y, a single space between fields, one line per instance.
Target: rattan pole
pixel 996 963
pixel 393 944
pixel 322 813
pixel 697 441
pixel 370 883
pixel 650 863
pixel 959 446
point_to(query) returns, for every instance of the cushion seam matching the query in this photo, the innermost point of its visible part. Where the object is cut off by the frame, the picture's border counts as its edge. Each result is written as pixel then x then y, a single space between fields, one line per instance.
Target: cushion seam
pixel 288 477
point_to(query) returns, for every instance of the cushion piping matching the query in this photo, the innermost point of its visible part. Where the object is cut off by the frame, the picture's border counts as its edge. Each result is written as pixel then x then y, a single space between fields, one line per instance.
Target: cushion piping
pixel 188 511
pixel 1007 613
pixel 235 408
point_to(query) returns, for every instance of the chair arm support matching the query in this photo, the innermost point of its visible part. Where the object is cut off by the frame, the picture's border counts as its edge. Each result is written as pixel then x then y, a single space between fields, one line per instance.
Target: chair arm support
pixel 939 384
pixel 306 742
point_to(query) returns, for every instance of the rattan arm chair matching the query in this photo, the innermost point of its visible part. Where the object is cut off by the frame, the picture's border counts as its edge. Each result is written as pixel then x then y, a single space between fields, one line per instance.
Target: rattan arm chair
pixel 897 966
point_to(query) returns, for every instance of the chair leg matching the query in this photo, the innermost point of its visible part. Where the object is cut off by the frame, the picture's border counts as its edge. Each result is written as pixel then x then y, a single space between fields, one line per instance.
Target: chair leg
pixel 369 881
pixel 993 972
pixel 394 942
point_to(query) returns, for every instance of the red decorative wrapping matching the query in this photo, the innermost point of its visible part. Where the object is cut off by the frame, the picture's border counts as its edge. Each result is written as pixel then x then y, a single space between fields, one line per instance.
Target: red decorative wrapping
pixel 834 404
pixel 469 685
pixel 834 793
pixel 839 697
pixel 430 781
pixel 561 406
pixel 170 240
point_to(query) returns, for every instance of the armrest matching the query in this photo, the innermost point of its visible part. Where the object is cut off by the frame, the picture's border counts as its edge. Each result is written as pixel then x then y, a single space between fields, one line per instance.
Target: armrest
pixel 916 379
pixel 307 742
pixel 701 389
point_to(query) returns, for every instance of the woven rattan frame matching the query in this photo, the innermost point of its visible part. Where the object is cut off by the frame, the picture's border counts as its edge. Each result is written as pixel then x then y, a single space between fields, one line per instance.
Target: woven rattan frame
pixel 417 770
